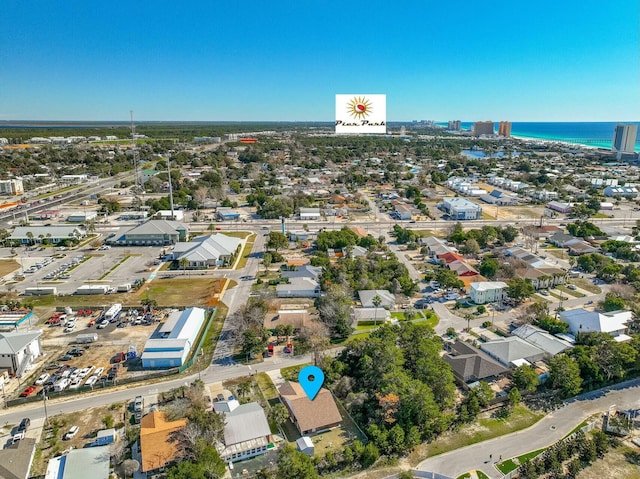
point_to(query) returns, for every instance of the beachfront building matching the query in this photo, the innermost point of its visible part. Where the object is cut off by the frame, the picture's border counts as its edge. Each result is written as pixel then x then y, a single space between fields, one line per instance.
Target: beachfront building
pixel 624 138
pixel 483 128
pixel 504 129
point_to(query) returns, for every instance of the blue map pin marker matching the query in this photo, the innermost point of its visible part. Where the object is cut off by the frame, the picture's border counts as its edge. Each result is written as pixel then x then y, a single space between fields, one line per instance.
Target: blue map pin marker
pixel 311 379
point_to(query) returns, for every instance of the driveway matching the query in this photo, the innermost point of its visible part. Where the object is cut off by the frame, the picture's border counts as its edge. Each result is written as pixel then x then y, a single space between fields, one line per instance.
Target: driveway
pixel 542 434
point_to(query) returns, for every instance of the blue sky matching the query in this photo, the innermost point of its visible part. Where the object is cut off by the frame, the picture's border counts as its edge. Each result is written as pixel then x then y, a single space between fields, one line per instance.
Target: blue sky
pixel 561 60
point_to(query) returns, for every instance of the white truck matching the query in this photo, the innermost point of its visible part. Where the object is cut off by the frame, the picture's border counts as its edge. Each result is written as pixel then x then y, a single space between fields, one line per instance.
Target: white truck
pixel 93 289
pixel 41 291
pixel 86 338
pixel 124 288
pixel 113 312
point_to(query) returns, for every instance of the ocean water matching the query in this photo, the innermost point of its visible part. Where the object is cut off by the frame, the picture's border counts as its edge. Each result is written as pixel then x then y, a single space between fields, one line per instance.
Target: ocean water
pixel 596 134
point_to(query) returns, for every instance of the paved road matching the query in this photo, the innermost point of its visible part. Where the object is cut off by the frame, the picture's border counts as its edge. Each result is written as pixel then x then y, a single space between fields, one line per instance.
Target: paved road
pixel 542 434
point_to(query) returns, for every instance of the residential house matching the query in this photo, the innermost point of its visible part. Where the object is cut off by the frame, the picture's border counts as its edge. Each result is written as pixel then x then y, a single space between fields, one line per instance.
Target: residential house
pixel 543 278
pixel 487 291
pixel 19 351
pixel 246 430
pixel 207 251
pixel 582 321
pixel 512 351
pixel 387 300
pixel 16 459
pixel 450 257
pixel 560 239
pixel 171 344
pixel 46 234
pixel 578 247
pixel 403 212
pixel 436 246
pixel 540 232
pixel 310 417
pixel 299 288
pixel 370 314
pixel 470 364
pixel 306 271
pixel 461 268
pixel 551 345
pixel 499 198
pixel 93 462
pixel 152 232
pixel 158 445
pixel 356 252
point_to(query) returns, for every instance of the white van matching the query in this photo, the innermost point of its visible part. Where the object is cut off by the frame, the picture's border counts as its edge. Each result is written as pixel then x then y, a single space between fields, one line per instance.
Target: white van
pixel 71 433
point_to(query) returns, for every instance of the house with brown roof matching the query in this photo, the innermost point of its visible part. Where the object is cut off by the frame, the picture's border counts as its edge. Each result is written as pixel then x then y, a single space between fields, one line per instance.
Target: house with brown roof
pixel 470 364
pixel 16 459
pixel 158 446
pixel 310 417
pixel 461 268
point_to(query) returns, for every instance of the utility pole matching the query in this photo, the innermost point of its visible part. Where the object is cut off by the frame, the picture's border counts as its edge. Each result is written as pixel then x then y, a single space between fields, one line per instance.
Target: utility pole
pixel 136 178
pixel 170 189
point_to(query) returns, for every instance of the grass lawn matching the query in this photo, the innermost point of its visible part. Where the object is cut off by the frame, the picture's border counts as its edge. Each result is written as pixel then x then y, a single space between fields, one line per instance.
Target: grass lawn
pixel 248 247
pixel 182 291
pixel 562 298
pixel 266 386
pixel 587 285
pixel 481 475
pixel 290 373
pixel 510 464
pixel 355 336
pixel 481 430
pixel 238 234
pixel 575 294
pixel 558 253
pixel 8 266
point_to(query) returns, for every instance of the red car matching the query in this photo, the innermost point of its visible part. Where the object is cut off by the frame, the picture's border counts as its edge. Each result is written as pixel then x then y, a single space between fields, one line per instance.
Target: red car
pixel 28 392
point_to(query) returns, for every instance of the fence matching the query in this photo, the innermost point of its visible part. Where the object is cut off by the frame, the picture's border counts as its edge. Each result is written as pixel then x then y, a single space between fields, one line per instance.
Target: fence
pixel 422 474
pixel 203 336
pixel 587 428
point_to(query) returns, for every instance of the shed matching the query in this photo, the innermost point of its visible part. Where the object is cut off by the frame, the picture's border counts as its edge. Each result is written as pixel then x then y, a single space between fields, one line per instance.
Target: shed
pixel 305 445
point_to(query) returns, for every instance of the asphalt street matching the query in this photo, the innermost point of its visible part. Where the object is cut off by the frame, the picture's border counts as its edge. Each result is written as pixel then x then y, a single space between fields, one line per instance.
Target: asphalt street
pixel 545 432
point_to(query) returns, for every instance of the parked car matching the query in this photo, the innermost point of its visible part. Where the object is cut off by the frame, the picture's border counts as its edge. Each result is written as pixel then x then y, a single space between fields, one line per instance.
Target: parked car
pixel 28 392
pixel 572 287
pixel 98 371
pixel 66 357
pixel 75 383
pixel 91 381
pixel 103 324
pixel 544 293
pixel 71 433
pixel 76 352
pixel 42 379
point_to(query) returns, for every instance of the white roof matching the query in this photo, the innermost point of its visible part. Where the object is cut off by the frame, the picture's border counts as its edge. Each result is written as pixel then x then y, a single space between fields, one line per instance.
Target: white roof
pixel 541 339
pixel 581 320
pixel 488 285
pixel 178 325
pixel 11 343
pixel 207 248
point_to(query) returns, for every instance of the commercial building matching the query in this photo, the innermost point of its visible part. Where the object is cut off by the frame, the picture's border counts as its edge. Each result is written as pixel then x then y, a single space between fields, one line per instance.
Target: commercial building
pixel 453 125
pixel 207 251
pixel 461 209
pixel 487 291
pixel 483 128
pixel 226 213
pixel 309 214
pixel 82 217
pixel 158 444
pixel 170 346
pixel 246 430
pixel 624 138
pixel 19 351
pixel 504 129
pixel 11 187
pixel 403 211
pixel 152 232
pixel 46 234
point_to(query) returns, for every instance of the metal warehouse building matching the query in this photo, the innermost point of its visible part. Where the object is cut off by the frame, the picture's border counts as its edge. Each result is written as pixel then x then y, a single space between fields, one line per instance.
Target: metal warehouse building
pixel 170 346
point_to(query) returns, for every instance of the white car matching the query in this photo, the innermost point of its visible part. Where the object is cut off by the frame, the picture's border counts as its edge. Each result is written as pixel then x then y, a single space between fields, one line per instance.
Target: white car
pixel 70 434
pixel 98 371
pixel 70 328
pixel 42 379
pixel 84 372
pixel 103 324
pixel 76 383
pixel 91 381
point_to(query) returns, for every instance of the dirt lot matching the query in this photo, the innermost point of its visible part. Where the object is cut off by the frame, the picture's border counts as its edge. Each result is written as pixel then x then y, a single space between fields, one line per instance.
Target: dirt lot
pixel 616 464
pixel 89 422
pixel 176 291
pixel 8 266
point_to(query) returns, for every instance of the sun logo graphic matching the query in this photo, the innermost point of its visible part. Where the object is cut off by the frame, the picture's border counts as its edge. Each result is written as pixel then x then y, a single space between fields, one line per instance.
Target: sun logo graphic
pixel 358 113
pixel 359 107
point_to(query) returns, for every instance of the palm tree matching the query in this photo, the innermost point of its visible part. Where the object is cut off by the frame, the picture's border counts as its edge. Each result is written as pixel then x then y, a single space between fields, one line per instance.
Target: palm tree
pixel 184 262
pixel 377 301
pixel 30 237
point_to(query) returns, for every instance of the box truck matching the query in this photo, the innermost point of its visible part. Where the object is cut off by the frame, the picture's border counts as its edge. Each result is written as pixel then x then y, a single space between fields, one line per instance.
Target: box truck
pixel 86 338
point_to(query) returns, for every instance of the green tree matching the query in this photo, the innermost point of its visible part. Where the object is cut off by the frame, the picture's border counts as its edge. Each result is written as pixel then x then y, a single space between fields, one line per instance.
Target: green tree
pixel 525 378
pixel 448 278
pixel 377 301
pixel 266 260
pixel 279 414
pixel 277 241
pixel 108 421
pixel 564 374
pixel 292 463
pixel 612 302
pixel 186 470
pixel 489 267
pixel 519 289
pixel 514 397
pixel 254 340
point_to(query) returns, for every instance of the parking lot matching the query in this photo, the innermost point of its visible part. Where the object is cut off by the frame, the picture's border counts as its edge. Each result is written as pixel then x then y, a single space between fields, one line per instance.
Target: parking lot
pixel 67 270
